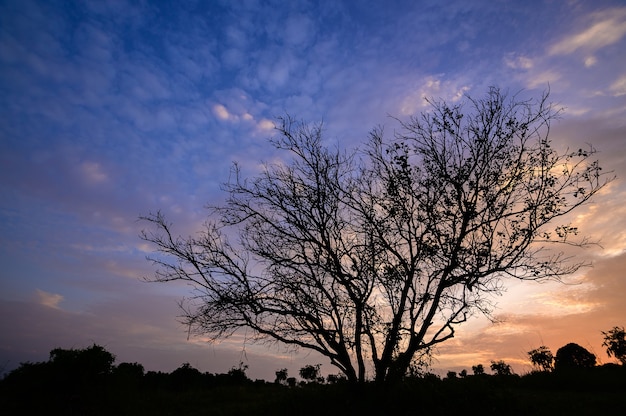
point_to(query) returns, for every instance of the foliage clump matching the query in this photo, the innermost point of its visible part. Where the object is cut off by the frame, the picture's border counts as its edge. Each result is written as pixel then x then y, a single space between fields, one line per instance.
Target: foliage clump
pixel 542 358
pixel 572 356
pixel 615 343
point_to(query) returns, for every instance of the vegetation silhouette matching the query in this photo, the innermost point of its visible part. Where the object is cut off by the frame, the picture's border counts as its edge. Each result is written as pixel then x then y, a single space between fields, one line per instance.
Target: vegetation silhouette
pixel 573 356
pixel 373 257
pixel 501 368
pixel 101 388
pixel 615 343
pixel 542 358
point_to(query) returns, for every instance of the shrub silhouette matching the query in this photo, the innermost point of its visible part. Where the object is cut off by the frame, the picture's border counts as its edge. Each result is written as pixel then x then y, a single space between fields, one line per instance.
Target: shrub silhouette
pixel 573 356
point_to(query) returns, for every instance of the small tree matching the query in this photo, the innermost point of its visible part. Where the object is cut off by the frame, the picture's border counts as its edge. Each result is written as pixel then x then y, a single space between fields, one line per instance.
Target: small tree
pixel 310 372
pixel 281 376
pixel 501 368
pixel 478 369
pixel 615 343
pixel 185 376
pixel 573 356
pixel 374 256
pixel 542 358
pixel 82 365
pixel 238 374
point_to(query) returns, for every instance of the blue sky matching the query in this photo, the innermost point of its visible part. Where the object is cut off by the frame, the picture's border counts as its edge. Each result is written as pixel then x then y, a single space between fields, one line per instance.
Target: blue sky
pixel 112 109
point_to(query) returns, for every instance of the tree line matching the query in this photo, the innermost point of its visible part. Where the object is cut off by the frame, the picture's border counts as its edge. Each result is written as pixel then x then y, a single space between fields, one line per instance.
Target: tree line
pixel 87 381
pixel 93 365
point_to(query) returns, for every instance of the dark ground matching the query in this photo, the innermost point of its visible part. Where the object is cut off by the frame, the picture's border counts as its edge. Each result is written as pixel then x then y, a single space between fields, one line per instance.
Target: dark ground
pixel 37 390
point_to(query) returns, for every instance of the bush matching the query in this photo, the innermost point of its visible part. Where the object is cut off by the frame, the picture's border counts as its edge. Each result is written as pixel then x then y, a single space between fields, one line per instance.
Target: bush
pixel 573 356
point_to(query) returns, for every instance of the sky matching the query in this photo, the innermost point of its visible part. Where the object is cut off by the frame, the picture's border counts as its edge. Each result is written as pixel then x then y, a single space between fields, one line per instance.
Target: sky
pixel 110 110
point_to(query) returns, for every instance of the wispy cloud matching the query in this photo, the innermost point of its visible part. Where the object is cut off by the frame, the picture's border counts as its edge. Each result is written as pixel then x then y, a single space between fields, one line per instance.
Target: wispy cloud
pixel 606 28
pixel 618 88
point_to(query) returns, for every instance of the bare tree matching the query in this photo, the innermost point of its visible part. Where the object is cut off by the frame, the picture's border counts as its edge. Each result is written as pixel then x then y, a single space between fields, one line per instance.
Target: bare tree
pixel 373 257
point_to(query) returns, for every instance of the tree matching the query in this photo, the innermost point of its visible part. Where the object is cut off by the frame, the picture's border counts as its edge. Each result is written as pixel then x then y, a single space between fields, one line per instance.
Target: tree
pixel 478 369
pixel 542 358
pixel 310 372
pixel 501 368
pixel 129 370
pixel 238 374
pixel 185 377
pixel 615 343
pixel 281 376
pixel 373 257
pixel 573 356
pixel 82 365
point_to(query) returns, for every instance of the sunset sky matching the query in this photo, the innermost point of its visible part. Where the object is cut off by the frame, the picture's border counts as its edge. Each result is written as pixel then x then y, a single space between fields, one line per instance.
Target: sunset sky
pixel 113 109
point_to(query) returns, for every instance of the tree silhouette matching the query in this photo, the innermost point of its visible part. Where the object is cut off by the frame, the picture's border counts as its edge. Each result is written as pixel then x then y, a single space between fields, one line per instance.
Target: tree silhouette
pixel 478 369
pixel 185 377
pixel 615 343
pixel 281 376
pixel 501 368
pixel 238 374
pixel 81 366
pixel 373 257
pixel 572 356
pixel 542 358
pixel 310 372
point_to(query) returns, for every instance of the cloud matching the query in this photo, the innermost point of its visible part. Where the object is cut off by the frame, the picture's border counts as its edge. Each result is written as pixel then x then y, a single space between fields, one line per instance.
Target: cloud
pixel 590 61
pixel 543 79
pixel 618 88
pixel 50 300
pixel 518 62
pixel 607 27
pixel 221 112
pixel 431 88
pixel 93 172
pixel 552 315
pixel 266 125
